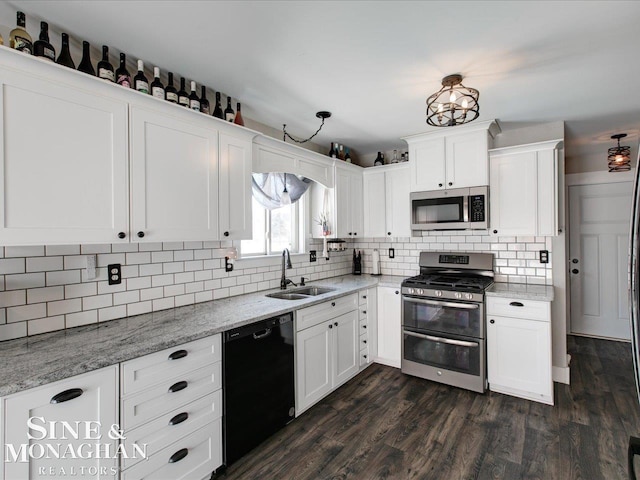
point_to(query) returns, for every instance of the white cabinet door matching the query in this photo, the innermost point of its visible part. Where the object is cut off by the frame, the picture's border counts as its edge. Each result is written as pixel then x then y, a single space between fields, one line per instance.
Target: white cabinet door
pixel 63 164
pixel 519 357
pixel 427 165
pixel 343 200
pixel 314 364
pixel 398 204
pixel 389 326
pixel 235 188
pixel 174 176
pixel 513 194
pixel 91 397
pixel 345 347
pixel 375 205
pixel 357 210
pixel 467 163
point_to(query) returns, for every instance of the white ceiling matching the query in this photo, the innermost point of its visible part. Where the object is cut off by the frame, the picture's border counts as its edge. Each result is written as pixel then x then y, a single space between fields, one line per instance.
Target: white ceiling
pixel 372 64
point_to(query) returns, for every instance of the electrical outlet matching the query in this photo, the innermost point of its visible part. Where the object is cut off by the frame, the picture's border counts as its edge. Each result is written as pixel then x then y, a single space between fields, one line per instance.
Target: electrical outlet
pixel 544 256
pixel 392 253
pixel 115 274
pixel 312 255
pixel 91 266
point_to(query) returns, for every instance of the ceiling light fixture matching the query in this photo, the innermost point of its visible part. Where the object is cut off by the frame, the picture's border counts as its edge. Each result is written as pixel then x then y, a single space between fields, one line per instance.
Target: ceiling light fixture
pixel 322 115
pixel 619 157
pixel 454 104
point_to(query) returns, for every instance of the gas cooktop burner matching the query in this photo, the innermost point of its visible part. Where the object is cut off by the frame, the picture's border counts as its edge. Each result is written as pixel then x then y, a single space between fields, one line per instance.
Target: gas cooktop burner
pixel 450 282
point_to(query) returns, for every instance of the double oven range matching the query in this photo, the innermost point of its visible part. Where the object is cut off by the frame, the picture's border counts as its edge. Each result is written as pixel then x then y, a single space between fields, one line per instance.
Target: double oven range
pixel 443 319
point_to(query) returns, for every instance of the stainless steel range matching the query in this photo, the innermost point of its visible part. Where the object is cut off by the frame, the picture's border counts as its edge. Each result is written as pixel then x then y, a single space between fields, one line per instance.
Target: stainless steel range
pixel 443 319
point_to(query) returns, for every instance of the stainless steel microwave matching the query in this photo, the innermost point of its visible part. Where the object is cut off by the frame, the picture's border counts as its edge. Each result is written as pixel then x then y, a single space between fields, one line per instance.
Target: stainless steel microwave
pixel 455 209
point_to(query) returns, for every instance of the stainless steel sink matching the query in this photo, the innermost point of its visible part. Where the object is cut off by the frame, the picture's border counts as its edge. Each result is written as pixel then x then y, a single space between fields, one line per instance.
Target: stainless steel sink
pixel 301 293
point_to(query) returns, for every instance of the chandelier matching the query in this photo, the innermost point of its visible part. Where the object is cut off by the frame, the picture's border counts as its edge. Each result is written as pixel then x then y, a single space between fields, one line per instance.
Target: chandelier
pixel 454 104
pixel 619 157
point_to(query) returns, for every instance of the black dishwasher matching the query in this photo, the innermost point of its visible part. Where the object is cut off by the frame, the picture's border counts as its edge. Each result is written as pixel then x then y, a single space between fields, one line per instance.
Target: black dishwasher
pixel 258 383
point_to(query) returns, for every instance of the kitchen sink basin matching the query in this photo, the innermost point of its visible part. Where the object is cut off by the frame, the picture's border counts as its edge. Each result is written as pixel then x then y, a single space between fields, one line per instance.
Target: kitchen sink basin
pixel 301 293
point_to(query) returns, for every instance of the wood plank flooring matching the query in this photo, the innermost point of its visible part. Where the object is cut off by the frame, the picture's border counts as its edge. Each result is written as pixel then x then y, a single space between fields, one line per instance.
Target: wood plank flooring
pixel 386 425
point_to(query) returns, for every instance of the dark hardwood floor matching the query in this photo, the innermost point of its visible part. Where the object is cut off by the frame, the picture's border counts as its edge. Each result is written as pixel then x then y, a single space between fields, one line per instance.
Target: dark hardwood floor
pixel 386 425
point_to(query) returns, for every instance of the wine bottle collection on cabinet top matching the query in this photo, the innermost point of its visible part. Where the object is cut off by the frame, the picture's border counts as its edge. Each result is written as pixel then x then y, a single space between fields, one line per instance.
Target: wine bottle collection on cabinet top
pixel 19 39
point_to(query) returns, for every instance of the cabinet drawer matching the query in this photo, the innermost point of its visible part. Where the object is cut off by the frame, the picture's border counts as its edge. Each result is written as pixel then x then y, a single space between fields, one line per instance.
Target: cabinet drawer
pixel 157 400
pixel 364 327
pixel 362 298
pixel 143 372
pixel 203 450
pixel 518 308
pixel 315 315
pixel 364 341
pixel 364 357
pixel 172 426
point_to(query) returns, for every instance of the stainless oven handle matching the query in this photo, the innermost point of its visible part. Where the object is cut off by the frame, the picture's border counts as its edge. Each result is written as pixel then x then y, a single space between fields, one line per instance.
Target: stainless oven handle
pixel 450 341
pixel 468 306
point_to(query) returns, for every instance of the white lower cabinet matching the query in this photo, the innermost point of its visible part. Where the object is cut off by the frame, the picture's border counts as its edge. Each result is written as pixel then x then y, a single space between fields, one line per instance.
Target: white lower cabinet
pixel 519 348
pixel 368 307
pixel 172 406
pixel 90 397
pixel 389 326
pixel 327 350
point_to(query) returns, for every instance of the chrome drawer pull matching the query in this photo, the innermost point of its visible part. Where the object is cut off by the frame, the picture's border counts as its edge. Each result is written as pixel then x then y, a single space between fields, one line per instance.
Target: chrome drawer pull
pixel 179 455
pixel 176 387
pixel 67 395
pixel 179 418
pixel 178 354
pixel 449 341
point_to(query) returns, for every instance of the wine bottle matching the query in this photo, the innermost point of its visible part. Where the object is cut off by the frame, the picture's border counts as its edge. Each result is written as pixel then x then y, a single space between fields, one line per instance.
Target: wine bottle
pixel 238 120
pixel 105 69
pixel 183 96
pixel 140 82
pixel 331 150
pixel 85 64
pixel 65 56
pixel 122 74
pixel 395 157
pixel 19 38
pixel 347 155
pixel 217 111
pixel 170 93
pixel 228 112
pixel 42 47
pixel 194 101
pixel 157 89
pixel 379 160
pixel 341 152
pixel 204 103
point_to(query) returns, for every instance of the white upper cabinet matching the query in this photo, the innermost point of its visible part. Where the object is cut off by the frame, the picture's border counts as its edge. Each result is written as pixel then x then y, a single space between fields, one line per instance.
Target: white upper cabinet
pixel 174 175
pixel 63 158
pixel 455 158
pixel 348 201
pixel 386 201
pixel 235 187
pixel 524 189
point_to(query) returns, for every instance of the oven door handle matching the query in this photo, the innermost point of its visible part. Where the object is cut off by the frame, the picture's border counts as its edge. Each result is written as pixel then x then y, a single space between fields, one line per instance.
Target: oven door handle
pixel 467 306
pixel 450 341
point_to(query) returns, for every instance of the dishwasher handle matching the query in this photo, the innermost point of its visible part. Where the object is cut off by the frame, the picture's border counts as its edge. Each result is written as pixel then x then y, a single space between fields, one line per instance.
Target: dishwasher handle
pixel 264 334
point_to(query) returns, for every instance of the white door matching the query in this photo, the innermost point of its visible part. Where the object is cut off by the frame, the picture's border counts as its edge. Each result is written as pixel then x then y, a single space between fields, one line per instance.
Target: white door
pixel 314 364
pixel 63 164
pixel 389 326
pixel 398 202
pixel 599 242
pixel 174 176
pixel 375 202
pixel 235 188
pixel 346 343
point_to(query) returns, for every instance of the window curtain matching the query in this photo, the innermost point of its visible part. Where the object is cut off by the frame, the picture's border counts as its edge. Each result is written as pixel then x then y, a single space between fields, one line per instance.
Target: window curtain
pixel 267 188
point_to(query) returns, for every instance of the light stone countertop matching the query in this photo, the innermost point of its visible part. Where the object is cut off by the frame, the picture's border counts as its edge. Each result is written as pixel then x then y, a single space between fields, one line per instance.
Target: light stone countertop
pixel 34 361
pixel 521 291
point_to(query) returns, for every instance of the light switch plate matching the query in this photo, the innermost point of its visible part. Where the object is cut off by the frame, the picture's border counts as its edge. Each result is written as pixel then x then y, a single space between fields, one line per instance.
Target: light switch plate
pixel 392 253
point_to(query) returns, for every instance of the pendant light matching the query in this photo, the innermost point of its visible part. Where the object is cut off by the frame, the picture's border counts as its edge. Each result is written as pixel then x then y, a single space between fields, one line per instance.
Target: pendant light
pixel 619 157
pixel 454 104
pixel 285 198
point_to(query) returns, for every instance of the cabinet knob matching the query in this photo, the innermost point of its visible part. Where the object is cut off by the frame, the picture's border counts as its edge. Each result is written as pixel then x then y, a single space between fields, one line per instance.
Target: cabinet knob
pixel 330 326
pixel 355 233
pixel 336 324
pixel 397 292
pixel 492 321
pixel 122 235
pixel 364 296
pixel 365 356
pixel 140 234
pixel 350 233
pixel 440 185
pixel 364 341
pixel 575 270
pixel 575 260
pixel 364 326
pixel 517 304
pixel 495 231
pixel 364 311
pixel 389 233
pixel 450 183
pixel 333 304
pixel 226 234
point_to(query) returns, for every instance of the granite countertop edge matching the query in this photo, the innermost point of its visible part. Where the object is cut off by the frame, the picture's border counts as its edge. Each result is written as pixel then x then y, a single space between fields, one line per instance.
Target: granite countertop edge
pixel 521 291
pixel 41 359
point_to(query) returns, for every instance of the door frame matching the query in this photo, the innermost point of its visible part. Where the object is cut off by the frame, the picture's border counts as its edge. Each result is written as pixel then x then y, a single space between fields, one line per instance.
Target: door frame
pixel 579 179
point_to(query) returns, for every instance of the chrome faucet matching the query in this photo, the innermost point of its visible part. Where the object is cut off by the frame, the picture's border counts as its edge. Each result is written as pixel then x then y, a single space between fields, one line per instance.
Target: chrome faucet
pixel 284 281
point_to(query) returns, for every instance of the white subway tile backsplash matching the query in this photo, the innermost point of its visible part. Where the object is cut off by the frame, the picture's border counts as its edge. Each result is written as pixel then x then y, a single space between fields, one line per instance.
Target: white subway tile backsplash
pixel 24 251
pixel 173 290
pixel 47 294
pixel 24 280
pixel 81 318
pixel 75 262
pixel 138 308
pixel 151 293
pixel 172 245
pixel 111 313
pixel 97 301
pixel 44 264
pixel 26 312
pixel 188 299
pixel 80 290
pixel 45 325
pixel 13 330
pixel 94 249
pixel 105 259
pixel 173 267
pixel 162 257
pixel 150 269
pixel 124 247
pixel 104 287
pixel 138 283
pixel 183 255
pixel 150 247
pixel 205 296
pixel 138 258
pixel 63 277
pixel 162 304
pixel 64 306
pixel 12 265
pixel 11 298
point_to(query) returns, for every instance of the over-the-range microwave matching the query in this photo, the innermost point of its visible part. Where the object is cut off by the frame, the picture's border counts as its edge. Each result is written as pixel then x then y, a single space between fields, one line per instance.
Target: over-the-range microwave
pixel 455 209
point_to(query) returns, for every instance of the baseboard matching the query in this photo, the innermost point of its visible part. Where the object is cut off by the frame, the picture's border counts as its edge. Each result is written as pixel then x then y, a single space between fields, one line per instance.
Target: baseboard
pixel 387 362
pixel 561 375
